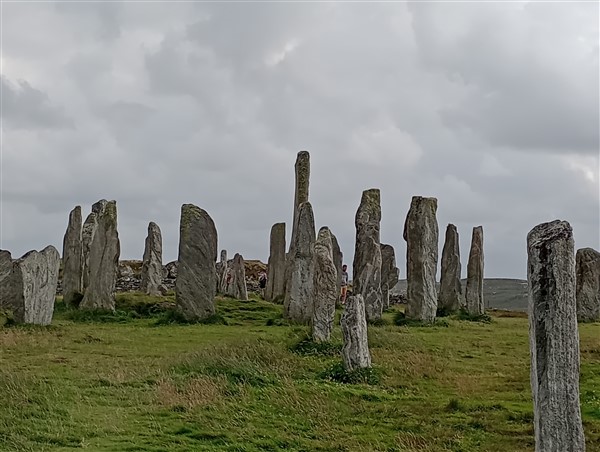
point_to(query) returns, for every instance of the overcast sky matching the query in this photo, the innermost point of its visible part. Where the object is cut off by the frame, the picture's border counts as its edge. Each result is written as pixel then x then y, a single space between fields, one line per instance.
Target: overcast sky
pixel 493 108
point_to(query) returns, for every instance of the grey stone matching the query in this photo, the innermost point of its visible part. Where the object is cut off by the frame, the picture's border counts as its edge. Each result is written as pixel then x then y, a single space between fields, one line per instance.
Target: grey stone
pixel 421 235
pixel 389 273
pixel 237 283
pixel 553 338
pixel 338 260
pixel 196 284
pixel 325 289
pixel 366 267
pixel 221 268
pixel 588 285
pixel 302 171
pixel 103 259
pixel 298 306
pixel 355 351
pixel 87 235
pixel 152 268
pixel 72 278
pixel 474 289
pixel 6 284
pixel 450 298
pixel 275 289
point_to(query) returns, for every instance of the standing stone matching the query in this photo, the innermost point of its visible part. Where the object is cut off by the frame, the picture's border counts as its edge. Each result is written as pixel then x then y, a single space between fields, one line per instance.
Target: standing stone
pixel 421 235
pixel 221 268
pixel 72 259
pixel 450 296
pixel 302 169
pixel 152 269
pixel 474 290
pixel 553 338
pixel 389 273
pixel 325 290
pixel 275 289
pixel 6 274
pixel 34 282
pixel 103 259
pixel 355 351
pixel 588 285
pixel 237 285
pixel 366 267
pixel 87 235
pixel 298 306
pixel 338 260
pixel 196 283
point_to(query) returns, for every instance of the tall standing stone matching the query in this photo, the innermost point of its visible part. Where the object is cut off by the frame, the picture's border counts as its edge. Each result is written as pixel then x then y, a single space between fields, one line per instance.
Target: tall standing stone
pixel 553 338
pixel 275 289
pixel 338 260
pixel 325 290
pixel 588 285
pixel 450 296
pixel 474 289
pixel 302 170
pixel 103 259
pixel 33 286
pixel 389 273
pixel 366 267
pixel 87 235
pixel 355 351
pixel 72 279
pixel 152 269
pixel 298 306
pixel 196 283
pixel 237 285
pixel 6 273
pixel 222 269
pixel 421 235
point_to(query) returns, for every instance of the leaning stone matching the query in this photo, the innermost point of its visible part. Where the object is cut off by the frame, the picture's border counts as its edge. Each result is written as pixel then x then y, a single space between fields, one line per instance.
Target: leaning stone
pixel 588 285
pixel 275 289
pixel 72 278
pixel 474 290
pixel 103 259
pixel 421 235
pixel 237 285
pixel 325 290
pixel 298 306
pixel 355 352
pixel 152 269
pixel 196 284
pixel 553 338
pixel 87 235
pixel 221 268
pixel 389 273
pixel 450 298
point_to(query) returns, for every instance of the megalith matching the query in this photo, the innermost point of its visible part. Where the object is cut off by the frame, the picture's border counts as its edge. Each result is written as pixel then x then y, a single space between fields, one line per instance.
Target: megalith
pixel 105 250
pixel 421 236
pixel 325 289
pixel 450 298
pixel 72 278
pixel 152 268
pixel 237 283
pixel 389 273
pixel 302 170
pixel 298 306
pixel 275 289
pixel 338 260
pixel 366 267
pixel 221 268
pixel 553 338
pixel 355 351
pixel 87 234
pixel 474 289
pixel 6 273
pixel 196 283
pixel 587 292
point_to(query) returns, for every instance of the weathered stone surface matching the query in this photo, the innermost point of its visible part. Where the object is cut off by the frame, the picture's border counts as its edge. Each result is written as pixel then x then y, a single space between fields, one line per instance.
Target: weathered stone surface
pixel 6 274
pixel 34 281
pixel 588 285
pixel 302 170
pixel 355 352
pixel 325 289
pixel 196 284
pixel 221 268
pixel 421 235
pixel 450 298
pixel 553 338
pixel 389 273
pixel 298 306
pixel 87 235
pixel 152 268
pixel 474 289
pixel 366 267
pixel 72 279
pixel 237 283
pixel 103 258
pixel 275 289
pixel 338 260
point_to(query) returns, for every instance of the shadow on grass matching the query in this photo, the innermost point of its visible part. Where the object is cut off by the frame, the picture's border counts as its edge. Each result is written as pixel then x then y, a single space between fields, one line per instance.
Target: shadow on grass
pixel 308 347
pixel 401 320
pixel 337 373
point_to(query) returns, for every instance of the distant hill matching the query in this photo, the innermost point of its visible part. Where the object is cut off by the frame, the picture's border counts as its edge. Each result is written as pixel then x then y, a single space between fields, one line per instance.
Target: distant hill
pixel 498 293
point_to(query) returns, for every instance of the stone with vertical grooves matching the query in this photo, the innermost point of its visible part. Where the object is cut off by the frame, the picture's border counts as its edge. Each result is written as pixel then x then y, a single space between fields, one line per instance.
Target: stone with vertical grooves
pixel 450 298
pixel 421 235
pixel 389 273
pixel 338 260
pixel 196 283
pixel 474 289
pixel 152 269
pixel 72 278
pixel 302 172
pixel 237 286
pixel 587 290
pixel 6 273
pixel 325 290
pixel 366 267
pixel 355 351
pixel 87 235
pixel 276 264
pixel 221 268
pixel 553 338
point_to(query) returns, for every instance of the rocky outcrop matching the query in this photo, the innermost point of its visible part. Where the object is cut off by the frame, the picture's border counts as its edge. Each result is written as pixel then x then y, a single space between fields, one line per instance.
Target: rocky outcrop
pixel 72 278
pixel 355 351
pixel 275 289
pixel 152 268
pixel 474 289
pixel 450 297
pixel 588 285
pixel 325 290
pixel 389 273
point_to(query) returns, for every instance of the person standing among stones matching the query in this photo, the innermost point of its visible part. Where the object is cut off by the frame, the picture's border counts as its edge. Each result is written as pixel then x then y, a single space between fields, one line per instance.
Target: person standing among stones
pixel 344 290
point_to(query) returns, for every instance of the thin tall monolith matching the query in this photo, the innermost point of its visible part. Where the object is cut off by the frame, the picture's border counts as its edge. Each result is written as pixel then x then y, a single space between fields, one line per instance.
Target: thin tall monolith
pixel 474 289
pixel 276 264
pixel 72 256
pixel 450 298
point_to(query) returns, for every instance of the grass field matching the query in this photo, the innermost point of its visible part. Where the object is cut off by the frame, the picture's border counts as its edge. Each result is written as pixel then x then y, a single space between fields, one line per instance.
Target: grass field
pixel 131 382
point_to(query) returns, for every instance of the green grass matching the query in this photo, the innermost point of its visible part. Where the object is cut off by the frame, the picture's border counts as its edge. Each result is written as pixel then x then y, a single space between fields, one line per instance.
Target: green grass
pixel 255 383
